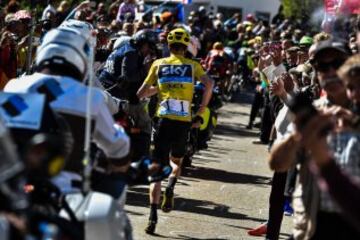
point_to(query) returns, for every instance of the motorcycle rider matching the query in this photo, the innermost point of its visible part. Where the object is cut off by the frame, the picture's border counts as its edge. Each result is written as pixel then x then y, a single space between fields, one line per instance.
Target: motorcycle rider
pixel 173 79
pixel 218 63
pixel 123 74
pixel 61 66
pixel 86 30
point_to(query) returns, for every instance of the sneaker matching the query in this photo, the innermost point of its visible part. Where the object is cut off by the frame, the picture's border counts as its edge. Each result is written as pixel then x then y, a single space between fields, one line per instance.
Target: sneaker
pixel 150 229
pixel 168 200
pixel 259 231
pixel 288 210
pixel 259 142
pixel 257 125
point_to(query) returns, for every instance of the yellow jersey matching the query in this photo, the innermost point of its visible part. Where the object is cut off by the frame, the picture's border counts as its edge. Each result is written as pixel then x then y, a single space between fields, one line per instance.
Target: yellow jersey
pixel 175 78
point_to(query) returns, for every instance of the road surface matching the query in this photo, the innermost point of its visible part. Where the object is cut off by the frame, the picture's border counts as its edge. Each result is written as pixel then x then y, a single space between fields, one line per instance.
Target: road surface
pixel 224 195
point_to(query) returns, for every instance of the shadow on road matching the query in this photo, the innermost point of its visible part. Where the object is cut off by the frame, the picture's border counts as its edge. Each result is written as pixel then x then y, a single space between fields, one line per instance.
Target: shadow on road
pixel 184 237
pixel 139 197
pixel 244 97
pixel 233 130
pixel 212 174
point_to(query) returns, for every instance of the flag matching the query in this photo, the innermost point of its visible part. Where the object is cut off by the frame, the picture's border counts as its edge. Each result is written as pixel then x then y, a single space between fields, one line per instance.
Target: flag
pixel 180 12
pixel 186 1
pixel 351 6
pixel 332 7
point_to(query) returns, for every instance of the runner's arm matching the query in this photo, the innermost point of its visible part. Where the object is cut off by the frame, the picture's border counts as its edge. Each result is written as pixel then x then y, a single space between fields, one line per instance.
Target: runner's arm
pixel 81 6
pixel 209 85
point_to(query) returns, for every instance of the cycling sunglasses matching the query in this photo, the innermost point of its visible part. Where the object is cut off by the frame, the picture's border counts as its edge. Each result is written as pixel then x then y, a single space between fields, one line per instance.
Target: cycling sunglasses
pixel 323 66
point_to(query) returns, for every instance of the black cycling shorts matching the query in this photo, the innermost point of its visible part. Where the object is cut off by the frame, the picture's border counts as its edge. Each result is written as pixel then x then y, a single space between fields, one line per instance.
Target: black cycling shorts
pixel 170 137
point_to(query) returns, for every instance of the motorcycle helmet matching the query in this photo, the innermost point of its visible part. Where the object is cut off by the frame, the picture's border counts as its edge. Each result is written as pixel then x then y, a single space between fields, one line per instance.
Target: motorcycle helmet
pixel 66 51
pixel 121 41
pixel 144 36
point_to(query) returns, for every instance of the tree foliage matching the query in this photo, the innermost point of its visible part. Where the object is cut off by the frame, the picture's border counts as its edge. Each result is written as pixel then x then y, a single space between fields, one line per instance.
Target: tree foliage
pixel 300 9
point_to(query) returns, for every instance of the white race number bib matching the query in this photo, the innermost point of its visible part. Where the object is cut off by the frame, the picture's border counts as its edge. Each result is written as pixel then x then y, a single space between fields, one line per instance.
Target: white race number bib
pixel 174 107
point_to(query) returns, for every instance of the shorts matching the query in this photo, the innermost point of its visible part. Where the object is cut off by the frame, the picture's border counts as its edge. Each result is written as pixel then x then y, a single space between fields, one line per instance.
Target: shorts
pixel 170 136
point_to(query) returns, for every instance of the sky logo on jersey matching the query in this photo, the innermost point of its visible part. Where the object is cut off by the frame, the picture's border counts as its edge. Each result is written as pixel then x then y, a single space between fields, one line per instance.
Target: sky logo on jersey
pixel 175 74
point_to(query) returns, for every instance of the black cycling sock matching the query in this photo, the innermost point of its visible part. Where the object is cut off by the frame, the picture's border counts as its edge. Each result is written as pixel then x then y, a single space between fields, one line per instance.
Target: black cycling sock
pixel 153 212
pixel 171 183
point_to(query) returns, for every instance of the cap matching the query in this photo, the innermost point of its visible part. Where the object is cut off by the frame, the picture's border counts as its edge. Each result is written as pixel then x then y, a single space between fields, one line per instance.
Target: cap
pixel 10 18
pixel 302 68
pixel 202 9
pixel 22 14
pixel 249 17
pixel 306 40
pixel 331 44
pixel 293 49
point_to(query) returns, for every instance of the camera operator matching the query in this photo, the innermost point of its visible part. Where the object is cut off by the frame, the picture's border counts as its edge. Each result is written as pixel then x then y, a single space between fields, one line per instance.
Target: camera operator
pixel 341 184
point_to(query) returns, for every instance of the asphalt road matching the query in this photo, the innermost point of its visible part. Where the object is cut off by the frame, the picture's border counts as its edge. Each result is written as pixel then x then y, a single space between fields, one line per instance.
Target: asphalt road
pixel 226 192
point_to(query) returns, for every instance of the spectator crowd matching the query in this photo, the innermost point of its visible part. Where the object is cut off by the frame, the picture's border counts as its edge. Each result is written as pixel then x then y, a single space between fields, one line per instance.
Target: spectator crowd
pixel 305 83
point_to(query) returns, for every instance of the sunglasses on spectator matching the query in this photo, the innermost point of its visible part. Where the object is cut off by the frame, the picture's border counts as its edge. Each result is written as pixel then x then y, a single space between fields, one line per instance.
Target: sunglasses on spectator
pixel 326 66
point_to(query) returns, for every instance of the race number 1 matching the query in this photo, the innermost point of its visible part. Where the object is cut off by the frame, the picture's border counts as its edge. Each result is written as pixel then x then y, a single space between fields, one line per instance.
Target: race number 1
pixel 174 107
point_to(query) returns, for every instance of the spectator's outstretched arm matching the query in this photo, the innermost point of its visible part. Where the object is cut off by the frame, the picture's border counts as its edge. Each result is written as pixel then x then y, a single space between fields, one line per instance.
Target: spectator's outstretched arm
pixel 82 5
pixel 283 154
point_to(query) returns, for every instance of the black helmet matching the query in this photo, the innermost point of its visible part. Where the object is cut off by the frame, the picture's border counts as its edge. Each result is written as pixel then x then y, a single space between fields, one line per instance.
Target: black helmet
pixel 144 36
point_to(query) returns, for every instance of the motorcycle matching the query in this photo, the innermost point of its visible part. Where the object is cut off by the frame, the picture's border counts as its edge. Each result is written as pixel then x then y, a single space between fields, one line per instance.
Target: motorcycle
pixel 207 121
pixel 51 211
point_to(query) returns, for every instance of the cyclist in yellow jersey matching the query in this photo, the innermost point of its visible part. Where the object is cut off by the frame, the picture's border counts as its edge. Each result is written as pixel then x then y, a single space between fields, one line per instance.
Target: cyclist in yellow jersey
pixel 173 79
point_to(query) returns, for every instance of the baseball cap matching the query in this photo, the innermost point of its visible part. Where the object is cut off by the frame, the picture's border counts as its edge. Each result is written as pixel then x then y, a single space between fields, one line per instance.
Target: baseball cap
pixel 22 14
pixel 331 44
pixel 306 40
pixel 10 18
pixel 293 49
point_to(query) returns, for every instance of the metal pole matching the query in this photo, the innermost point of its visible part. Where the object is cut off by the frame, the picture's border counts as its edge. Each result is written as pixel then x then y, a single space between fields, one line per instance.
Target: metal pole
pixel 86 160
pixel 32 29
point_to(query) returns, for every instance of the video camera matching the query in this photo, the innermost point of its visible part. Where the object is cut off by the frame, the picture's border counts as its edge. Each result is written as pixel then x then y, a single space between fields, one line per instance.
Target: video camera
pixel 301 106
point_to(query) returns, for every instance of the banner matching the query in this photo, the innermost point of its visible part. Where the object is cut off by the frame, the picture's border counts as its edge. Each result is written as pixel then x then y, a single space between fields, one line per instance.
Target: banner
pixel 333 7
pixel 351 6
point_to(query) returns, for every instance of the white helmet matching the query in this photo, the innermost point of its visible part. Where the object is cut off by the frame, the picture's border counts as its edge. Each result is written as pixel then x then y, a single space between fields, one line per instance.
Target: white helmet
pixel 85 29
pixel 122 40
pixel 63 47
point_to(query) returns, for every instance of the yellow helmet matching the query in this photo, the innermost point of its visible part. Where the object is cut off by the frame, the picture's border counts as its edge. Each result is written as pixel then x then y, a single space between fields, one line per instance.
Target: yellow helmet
pixel 179 35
